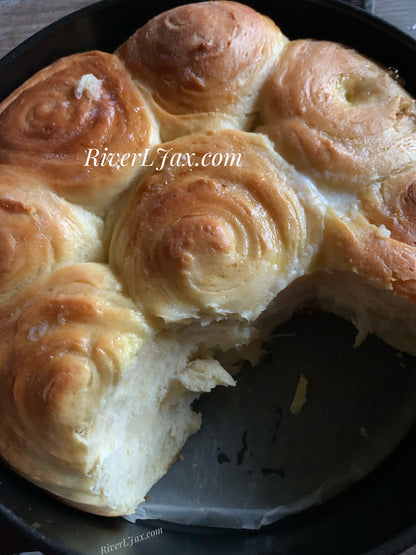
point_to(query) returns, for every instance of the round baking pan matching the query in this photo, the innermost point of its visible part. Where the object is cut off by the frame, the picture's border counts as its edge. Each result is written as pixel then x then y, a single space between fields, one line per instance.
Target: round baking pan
pixel 377 514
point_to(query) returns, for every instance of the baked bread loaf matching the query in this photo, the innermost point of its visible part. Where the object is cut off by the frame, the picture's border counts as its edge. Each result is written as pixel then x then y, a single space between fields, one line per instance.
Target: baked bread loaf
pixel 162 209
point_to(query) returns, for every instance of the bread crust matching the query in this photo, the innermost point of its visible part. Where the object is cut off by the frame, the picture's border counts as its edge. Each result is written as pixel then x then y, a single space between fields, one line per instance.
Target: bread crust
pixel 48 125
pixel 211 78
pixel 214 242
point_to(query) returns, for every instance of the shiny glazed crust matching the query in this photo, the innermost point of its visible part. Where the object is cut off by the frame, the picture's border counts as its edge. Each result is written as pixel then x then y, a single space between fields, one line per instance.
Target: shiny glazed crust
pixel 211 243
pixel 212 76
pixel 48 123
pixel 122 286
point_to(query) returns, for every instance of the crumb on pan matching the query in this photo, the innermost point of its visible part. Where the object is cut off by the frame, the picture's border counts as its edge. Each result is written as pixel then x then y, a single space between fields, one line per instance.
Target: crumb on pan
pixel 299 399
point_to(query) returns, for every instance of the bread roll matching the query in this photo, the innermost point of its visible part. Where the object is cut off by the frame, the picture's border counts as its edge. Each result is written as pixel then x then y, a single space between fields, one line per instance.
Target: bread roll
pixel 391 206
pixel 40 231
pixel 348 124
pixel 80 105
pixel 202 64
pixel 338 116
pixel 200 240
pixel 72 337
pixel 364 249
pixel 268 175
pixel 94 406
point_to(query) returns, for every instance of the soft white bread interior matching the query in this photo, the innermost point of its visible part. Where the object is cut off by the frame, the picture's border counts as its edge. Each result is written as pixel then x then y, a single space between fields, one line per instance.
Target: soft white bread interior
pixel 280 174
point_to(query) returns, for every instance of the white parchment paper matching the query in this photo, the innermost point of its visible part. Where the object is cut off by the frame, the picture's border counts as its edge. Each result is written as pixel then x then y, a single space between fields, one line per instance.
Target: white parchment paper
pixel 254 462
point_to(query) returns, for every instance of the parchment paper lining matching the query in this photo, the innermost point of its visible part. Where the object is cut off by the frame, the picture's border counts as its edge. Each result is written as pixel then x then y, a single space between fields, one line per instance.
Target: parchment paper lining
pixel 254 462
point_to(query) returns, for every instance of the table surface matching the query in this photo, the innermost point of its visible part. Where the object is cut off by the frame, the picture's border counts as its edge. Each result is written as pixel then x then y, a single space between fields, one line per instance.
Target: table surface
pixel 19 19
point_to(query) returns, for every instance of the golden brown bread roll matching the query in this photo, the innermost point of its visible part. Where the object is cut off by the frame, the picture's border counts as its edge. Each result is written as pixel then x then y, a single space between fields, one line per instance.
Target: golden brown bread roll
pixel 203 63
pixel 107 338
pixel 81 102
pixel 71 337
pixel 210 241
pixel 349 125
pixel 94 407
pixel 365 249
pixel 337 115
pixel 392 204
pixel 39 231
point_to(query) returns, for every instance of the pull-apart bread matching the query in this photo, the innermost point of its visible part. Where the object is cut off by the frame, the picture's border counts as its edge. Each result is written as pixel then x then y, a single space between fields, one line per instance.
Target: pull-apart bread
pixel 125 287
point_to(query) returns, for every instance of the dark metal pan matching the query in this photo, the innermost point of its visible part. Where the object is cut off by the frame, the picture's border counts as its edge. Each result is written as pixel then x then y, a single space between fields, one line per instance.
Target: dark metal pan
pixel 376 515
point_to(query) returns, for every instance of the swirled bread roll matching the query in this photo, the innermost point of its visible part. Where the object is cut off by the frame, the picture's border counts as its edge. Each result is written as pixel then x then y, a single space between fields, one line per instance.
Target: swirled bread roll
pixel 281 174
pixel 355 244
pixel 203 240
pixel 72 336
pixel 202 65
pixel 338 116
pixel 345 121
pixel 391 206
pixel 94 407
pixel 39 231
pixel 79 105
